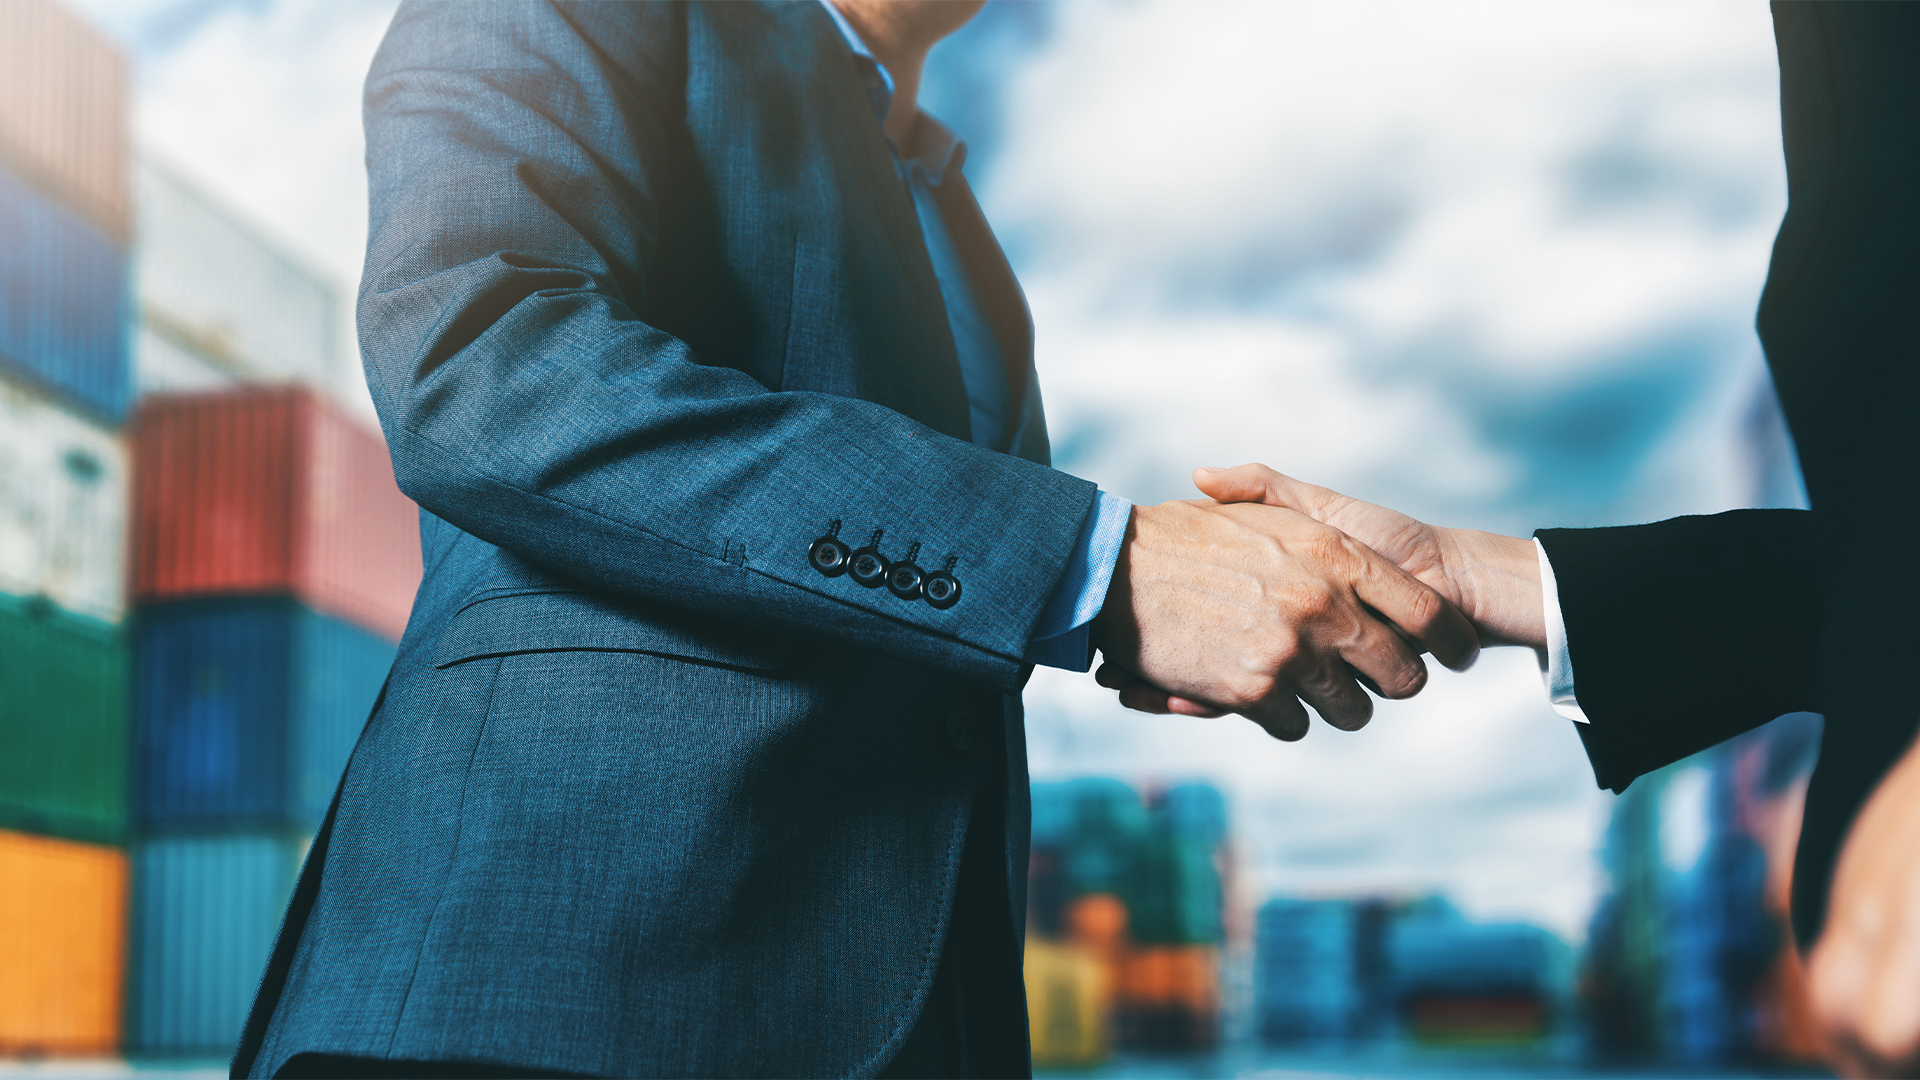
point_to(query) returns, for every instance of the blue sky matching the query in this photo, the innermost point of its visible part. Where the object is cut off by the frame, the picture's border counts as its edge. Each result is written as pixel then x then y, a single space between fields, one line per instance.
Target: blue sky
pixel 1493 263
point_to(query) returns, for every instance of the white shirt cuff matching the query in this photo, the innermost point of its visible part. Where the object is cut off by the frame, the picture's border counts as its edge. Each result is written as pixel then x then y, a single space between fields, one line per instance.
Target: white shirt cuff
pixel 1061 635
pixel 1556 667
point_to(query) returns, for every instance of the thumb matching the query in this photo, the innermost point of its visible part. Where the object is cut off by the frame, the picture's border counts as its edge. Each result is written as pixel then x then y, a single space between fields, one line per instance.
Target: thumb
pixel 1242 483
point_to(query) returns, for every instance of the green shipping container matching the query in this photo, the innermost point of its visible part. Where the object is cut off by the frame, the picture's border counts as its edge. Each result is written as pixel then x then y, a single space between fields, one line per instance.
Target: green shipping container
pixel 63 723
pixel 1173 894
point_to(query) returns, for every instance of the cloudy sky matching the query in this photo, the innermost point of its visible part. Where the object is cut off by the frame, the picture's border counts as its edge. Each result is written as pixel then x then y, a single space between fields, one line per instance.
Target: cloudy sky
pixel 1492 263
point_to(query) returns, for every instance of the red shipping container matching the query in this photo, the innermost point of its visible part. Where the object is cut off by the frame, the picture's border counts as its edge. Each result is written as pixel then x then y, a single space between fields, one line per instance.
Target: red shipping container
pixel 271 490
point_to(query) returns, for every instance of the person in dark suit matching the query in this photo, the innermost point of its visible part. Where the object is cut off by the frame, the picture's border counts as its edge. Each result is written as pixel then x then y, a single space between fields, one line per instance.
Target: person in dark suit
pixel 1689 631
pixel 703 752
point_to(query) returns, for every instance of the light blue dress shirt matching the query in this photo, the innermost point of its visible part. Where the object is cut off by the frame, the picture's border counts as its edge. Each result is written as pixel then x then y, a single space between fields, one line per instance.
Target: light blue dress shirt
pixel 1060 637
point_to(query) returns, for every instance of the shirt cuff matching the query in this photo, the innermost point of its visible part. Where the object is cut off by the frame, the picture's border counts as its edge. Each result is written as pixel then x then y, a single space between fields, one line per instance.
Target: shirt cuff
pixel 1556 667
pixel 1061 638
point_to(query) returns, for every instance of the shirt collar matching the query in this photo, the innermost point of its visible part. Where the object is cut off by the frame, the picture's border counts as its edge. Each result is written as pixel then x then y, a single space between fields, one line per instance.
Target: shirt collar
pixel 935 148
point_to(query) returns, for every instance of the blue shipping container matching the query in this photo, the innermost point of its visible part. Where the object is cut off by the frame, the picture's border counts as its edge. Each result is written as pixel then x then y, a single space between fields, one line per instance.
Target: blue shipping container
pixel 205 911
pixel 1196 811
pixel 63 303
pixel 1307 971
pixel 1436 956
pixel 246 710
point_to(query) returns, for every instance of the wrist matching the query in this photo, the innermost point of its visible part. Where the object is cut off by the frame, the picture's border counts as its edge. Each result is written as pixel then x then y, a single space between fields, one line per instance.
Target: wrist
pixel 1497 580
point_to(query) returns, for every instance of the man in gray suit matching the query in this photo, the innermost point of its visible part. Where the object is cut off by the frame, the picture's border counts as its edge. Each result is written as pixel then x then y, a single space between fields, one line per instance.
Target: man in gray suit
pixel 703 753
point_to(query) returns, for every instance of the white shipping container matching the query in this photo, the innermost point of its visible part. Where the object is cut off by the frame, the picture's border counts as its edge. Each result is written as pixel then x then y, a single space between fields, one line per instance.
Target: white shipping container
pixel 63 110
pixel 209 285
pixel 163 366
pixel 63 505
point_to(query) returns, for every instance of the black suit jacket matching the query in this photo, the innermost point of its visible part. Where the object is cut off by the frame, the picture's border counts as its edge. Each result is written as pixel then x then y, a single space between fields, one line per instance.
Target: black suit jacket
pixel 1688 631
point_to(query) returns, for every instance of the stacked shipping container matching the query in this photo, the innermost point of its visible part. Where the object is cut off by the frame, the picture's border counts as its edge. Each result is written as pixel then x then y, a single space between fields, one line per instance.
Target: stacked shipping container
pixel 64 386
pixel 1127 919
pixel 1687 960
pixel 275 561
pixel 1341 970
pixel 273 566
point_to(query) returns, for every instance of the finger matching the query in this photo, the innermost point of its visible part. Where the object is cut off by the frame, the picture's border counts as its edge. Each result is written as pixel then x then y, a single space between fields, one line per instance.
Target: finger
pixel 1338 699
pixel 1180 706
pixel 1422 613
pixel 1381 658
pixel 1114 677
pixel 1140 697
pixel 1283 717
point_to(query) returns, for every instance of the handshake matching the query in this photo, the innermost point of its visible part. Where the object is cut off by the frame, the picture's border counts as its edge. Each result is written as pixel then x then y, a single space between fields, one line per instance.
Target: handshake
pixel 1277 593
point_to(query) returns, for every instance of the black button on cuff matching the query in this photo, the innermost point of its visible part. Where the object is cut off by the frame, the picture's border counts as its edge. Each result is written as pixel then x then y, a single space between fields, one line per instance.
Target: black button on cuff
pixel 940 588
pixel 905 578
pixel 830 554
pixel 867 566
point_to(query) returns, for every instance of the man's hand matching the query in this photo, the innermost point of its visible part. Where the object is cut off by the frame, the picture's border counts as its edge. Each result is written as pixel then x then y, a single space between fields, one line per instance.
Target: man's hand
pixel 1244 608
pixel 1493 579
pixel 1864 974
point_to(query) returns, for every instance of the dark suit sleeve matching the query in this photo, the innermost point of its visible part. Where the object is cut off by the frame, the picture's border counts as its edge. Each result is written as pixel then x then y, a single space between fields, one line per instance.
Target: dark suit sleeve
pixel 1685 632
pixel 522 158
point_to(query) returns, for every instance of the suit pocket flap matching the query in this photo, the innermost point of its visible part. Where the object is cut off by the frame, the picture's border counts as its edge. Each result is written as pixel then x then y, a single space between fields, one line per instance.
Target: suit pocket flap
pixel 525 622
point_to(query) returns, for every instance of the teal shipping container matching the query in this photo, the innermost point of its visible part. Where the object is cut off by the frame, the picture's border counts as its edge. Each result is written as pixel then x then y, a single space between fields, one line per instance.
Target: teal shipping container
pixel 63 723
pixel 246 710
pixel 1095 825
pixel 204 914
pixel 64 323
pixel 1173 892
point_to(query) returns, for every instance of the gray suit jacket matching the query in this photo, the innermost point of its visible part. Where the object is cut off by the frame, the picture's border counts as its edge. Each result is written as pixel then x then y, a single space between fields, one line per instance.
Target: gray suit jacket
pixel 645 308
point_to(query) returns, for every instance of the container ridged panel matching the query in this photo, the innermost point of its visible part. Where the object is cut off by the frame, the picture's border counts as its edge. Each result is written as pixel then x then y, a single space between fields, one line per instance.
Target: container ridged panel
pixel 359 553
pixel 63 303
pixel 213 285
pixel 63 495
pixel 63 111
pixel 271 490
pixel 205 912
pixel 248 710
pixel 63 911
pixel 210 715
pixel 63 723
pixel 337 672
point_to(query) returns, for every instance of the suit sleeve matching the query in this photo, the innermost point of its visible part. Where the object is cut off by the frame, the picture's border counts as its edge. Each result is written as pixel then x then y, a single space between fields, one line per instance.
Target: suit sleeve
pixel 519 156
pixel 1686 632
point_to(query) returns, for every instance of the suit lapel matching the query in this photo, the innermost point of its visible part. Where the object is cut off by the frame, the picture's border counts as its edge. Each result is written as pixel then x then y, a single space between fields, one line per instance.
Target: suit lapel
pixel 870 187
pixel 1002 302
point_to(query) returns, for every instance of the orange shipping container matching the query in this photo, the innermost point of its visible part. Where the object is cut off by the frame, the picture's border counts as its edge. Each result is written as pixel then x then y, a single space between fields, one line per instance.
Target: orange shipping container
pixel 63 111
pixel 1173 975
pixel 1169 999
pixel 271 491
pixel 63 917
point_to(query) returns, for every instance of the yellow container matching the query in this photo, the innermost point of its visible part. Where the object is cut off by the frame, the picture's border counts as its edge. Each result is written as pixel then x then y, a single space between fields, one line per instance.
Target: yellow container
pixel 63 917
pixel 1069 1002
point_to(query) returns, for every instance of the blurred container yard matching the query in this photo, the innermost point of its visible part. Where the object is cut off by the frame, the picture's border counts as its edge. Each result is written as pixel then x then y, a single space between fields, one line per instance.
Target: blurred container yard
pixel 204 567
pixel 206 564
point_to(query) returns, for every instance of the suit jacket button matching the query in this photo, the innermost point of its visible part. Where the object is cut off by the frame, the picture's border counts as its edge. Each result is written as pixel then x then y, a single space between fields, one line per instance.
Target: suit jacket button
pixel 957 733
pixel 940 588
pixel 867 566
